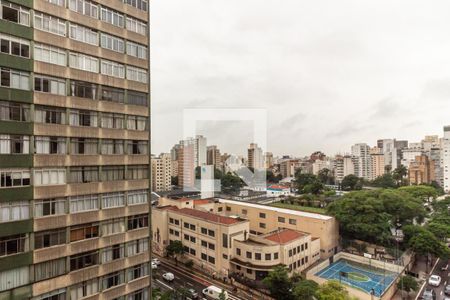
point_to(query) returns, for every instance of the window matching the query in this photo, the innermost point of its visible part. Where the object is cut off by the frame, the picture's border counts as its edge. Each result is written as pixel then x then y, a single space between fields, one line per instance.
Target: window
pixel 83 62
pixel 112 17
pixel 50 54
pixel 136 222
pixel 49 269
pixel 137 98
pixel 113 200
pixel 136 74
pixel 257 256
pixel 204 230
pixel 53 295
pixel 50 85
pixel 211 232
pixel 281 219
pixel 112 253
pixel 10 111
pixel 113 279
pixel 49 23
pixel 211 260
pixel 49 115
pixel 14 211
pixel 50 238
pixel 83 203
pixel 112 173
pixel 136 26
pixel 84 289
pixel 262 215
pixel 14 277
pixel 224 256
pixel 82 232
pixel 49 145
pixel 248 255
pixel 262 225
pixel 112 94
pixel 14 144
pixel 83 260
pixel 83 146
pixel 57 2
pixel 204 243
pixel 115 121
pixel 268 256
pixel 13 244
pixel 14 79
pixel 112 146
pixel 14 13
pixel 139 4
pixel 292 221
pixel 238 251
pixel 211 246
pixel 49 176
pixel 83 90
pixel 137 147
pixel 137 172
pixel 14 46
pixel 113 69
pixel 137 197
pixel 83 34
pixel 49 207
pixel 138 271
pixel 112 43
pixel 84 7
pixel 224 240
pixel 113 226
pixel 136 50
pixel 14 177
pixel 204 256
pixel 136 123
pixel 137 246
pixel 249 271
pixel 139 295
pixel 290 252
pixel 83 118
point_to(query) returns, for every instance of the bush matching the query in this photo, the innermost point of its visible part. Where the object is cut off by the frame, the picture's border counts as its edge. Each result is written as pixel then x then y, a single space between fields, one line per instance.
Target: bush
pixel 189 264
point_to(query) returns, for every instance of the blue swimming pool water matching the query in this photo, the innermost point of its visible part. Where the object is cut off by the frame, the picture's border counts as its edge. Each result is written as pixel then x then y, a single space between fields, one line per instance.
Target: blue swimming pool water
pixel 378 280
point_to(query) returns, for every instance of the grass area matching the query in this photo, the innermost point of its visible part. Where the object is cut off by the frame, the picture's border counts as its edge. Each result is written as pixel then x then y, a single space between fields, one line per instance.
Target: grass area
pixel 317 210
pixel 358 277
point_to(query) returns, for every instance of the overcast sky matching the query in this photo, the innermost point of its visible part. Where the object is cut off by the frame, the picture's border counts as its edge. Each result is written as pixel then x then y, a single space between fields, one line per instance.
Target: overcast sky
pixel 330 73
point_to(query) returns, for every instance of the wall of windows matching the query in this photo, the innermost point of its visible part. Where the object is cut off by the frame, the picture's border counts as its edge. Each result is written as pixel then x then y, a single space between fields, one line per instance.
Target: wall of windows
pixel 137 26
pixel 83 118
pixel 83 203
pixel 49 269
pixel 49 145
pixel 112 253
pixel 14 46
pixel 84 7
pixel 14 211
pixel 84 289
pixel 14 79
pixel 113 200
pixel 13 278
pixel 137 98
pixel 14 177
pixel 50 54
pixel 136 123
pixel 12 111
pixel 137 197
pixel 45 239
pixel 112 94
pixel 116 121
pixel 111 68
pixel 49 207
pixel 113 226
pixel 136 74
pixel 111 147
pixel 15 13
pixel 49 23
pixel 14 144
pixel 136 50
pixel 139 4
pixel 83 174
pixel 113 173
pixel 83 90
pixel 50 115
pixel 83 146
pixel 112 17
pixel 50 85
pixel 83 34
pixel 83 62
pixel 112 43
pixel 49 177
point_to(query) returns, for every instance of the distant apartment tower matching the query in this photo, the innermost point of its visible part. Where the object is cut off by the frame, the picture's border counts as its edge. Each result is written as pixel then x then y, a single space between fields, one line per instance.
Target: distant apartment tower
pixel 268 160
pixel 288 167
pixel 198 149
pixel 362 160
pixel 421 170
pixel 213 157
pixel 255 157
pixel 343 166
pixel 446 158
pixel 319 165
pixel 186 166
pixel 378 167
pixel 161 173
pixel 74 161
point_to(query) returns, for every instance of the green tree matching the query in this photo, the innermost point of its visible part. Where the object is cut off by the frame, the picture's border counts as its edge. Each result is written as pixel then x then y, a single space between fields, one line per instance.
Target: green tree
pixel 307 183
pixel 351 183
pixel 440 230
pixel 384 181
pixel 424 243
pixel 231 182
pixel 422 192
pixel 305 290
pixel 332 290
pixel 399 174
pixel 408 284
pixel 222 295
pixel 278 283
pixel 325 176
pixel 174 248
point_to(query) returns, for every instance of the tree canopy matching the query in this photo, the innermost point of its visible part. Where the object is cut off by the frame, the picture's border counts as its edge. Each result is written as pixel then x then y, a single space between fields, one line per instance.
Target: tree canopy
pixel 305 289
pixel 351 183
pixel 332 290
pixel 174 248
pixel 278 283
pixel 408 284
pixel 308 184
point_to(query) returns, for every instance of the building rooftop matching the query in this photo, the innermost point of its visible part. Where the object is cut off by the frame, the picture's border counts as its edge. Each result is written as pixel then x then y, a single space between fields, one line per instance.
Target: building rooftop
pixel 279 210
pixel 207 216
pixel 284 236
pixel 277 187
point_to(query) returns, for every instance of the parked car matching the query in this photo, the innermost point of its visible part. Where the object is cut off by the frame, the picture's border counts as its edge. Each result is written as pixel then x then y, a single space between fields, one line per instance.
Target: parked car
pixel 429 294
pixel 213 292
pixel 434 280
pixel 156 261
pixel 192 294
pixel 168 276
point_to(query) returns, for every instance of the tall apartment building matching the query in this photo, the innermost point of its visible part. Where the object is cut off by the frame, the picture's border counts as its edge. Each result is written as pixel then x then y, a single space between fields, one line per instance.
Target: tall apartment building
pixel 421 170
pixel 446 158
pixel 161 173
pixel 186 166
pixel 198 149
pixel 343 166
pixel 362 161
pixel 377 167
pixel 268 160
pixel 74 139
pixel 255 158
pixel 213 157
pixel 288 167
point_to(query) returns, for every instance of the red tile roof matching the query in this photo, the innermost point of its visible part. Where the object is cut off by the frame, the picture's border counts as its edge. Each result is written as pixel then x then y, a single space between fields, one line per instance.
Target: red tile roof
pixel 201 201
pixel 284 236
pixel 168 207
pixel 208 216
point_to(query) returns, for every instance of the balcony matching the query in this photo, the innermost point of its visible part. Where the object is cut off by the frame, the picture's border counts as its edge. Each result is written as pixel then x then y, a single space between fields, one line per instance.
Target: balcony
pixel 54 252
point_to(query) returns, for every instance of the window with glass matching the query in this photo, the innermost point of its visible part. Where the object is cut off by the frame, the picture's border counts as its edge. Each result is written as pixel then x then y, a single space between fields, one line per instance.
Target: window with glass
pixel 14 46
pixel 45 239
pixel 84 289
pixel 113 173
pixel 49 207
pixel 83 118
pixel 14 79
pixel 83 62
pixel 112 43
pixel 138 295
pixel 57 2
pixel 83 232
pixel 139 4
pixel 49 269
pixel 49 23
pixel 112 253
pixel 83 174
pixel 113 226
pixel 137 246
pixel 137 172
pixel 84 260
pixel 83 34
pixel 14 277
pixel 112 17
pixel 137 147
pixel 49 145
pixel 83 90
pixel 12 111
pixel 136 123
pixel 84 7
pixel 50 85
pixel 138 221
pixel 13 244
pixel 136 74
pixel 136 50
pixel 113 279
pixel 138 271
pixel 14 178
pixel 53 295
pixel 15 13
pixel 49 177
pixel 84 146
pixel 83 203
pixel 136 25
pixel 14 211
pixel 137 98
pixel 112 147
pixel 50 54
pixel 137 197
pixel 49 115
pixel 110 120
pixel 113 200
pixel 14 144
pixel 113 69
pixel 112 94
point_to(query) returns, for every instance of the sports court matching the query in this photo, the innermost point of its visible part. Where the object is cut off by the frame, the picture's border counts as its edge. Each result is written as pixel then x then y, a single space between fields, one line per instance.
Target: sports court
pixel 359 276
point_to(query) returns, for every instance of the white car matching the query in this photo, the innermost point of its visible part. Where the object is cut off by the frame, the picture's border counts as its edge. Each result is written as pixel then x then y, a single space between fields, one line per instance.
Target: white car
pixel 156 261
pixel 154 266
pixel 434 280
pixel 168 276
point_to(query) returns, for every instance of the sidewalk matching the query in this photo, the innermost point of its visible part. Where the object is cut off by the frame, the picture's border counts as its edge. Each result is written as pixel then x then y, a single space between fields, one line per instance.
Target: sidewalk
pixel 420 268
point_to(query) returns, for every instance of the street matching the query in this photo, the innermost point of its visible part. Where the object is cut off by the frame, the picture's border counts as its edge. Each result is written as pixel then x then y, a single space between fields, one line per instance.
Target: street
pixel 445 275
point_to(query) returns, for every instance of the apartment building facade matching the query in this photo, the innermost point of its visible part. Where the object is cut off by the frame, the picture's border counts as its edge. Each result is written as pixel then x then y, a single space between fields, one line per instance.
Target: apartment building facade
pixel 421 170
pixel 74 140
pixel 161 173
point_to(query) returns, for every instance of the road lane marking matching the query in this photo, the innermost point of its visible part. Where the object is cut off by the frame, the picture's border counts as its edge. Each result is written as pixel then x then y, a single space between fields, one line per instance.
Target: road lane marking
pixel 168 286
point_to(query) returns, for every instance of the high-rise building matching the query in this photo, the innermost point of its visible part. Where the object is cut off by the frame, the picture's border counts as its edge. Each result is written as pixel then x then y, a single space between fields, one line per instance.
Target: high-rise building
pixel 74 163
pixel 446 158
pixel 362 160
pixel 186 166
pixel 161 173
pixel 421 170
pixel 377 168
pixel 213 157
pixel 343 166
pixel 198 149
pixel 255 157
pixel 268 160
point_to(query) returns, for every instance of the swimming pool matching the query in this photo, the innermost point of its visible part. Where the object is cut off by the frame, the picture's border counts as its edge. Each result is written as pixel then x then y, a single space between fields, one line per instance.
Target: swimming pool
pixel 359 276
